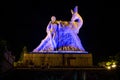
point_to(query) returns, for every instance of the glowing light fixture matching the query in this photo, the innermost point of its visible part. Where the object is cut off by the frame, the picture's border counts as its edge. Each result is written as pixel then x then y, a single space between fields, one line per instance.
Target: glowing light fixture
pixel 114 65
pixel 108 67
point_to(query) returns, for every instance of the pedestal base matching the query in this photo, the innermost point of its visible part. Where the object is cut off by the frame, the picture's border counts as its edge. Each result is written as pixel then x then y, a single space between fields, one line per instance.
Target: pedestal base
pixel 57 59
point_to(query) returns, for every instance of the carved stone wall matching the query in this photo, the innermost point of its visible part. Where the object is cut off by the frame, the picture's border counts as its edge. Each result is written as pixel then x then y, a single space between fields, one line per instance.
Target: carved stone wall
pixel 57 60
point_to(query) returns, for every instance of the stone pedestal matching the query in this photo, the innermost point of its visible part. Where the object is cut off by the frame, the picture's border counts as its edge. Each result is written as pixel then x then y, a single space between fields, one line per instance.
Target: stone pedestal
pixel 57 59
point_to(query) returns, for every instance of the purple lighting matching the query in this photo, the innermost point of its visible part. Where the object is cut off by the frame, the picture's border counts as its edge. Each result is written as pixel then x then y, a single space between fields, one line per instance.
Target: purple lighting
pixel 62 35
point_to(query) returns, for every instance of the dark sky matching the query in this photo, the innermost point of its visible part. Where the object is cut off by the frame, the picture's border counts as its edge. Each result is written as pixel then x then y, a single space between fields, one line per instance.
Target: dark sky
pixel 24 22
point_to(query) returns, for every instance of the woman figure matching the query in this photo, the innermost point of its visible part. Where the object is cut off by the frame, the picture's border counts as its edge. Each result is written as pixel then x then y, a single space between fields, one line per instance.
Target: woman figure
pixel 48 44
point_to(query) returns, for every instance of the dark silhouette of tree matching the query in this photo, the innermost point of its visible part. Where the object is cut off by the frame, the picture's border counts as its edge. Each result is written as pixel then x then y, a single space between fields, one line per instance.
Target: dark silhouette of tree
pixel 3 45
pixel 3 48
pixel 23 51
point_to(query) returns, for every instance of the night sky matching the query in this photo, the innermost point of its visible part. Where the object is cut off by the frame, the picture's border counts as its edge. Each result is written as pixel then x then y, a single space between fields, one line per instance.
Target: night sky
pixel 24 22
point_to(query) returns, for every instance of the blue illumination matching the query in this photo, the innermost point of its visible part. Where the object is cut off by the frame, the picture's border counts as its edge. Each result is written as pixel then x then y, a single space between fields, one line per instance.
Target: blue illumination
pixel 62 35
pixel 61 52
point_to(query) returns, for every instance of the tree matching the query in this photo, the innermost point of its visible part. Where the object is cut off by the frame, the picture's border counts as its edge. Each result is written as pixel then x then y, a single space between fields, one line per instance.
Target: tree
pixel 3 45
pixel 22 53
pixel 111 62
pixel 3 48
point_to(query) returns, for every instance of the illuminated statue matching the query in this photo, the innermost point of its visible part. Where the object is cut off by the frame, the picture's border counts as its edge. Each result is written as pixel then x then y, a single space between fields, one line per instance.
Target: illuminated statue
pixel 62 35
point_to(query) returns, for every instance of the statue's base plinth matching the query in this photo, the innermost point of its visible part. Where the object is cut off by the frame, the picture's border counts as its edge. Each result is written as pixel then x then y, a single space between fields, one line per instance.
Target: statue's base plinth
pixel 59 52
pixel 57 59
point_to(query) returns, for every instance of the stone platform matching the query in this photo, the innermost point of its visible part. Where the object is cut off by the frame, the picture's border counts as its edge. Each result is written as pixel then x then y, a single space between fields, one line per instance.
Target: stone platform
pixel 56 59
